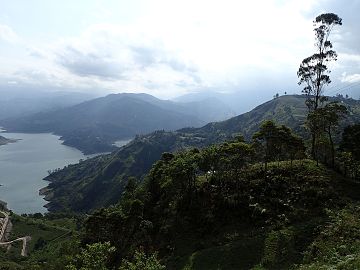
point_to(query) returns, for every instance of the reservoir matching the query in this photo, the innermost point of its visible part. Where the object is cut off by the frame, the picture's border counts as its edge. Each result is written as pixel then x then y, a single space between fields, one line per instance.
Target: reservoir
pixel 25 163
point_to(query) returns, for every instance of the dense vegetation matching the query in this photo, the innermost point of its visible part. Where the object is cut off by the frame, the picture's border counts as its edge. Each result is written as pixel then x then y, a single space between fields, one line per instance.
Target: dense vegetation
pixel 100 181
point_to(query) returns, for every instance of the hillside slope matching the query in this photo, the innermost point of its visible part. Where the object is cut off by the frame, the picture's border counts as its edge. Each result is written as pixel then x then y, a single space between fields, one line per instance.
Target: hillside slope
pixel 77 187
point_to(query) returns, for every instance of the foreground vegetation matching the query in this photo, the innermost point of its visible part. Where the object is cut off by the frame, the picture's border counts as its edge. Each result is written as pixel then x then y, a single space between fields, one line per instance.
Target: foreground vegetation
pixel 234 205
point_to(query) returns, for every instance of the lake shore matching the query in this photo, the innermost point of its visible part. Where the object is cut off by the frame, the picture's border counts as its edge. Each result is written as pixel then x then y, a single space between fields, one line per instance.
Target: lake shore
pixel 24 164
pixel 4 141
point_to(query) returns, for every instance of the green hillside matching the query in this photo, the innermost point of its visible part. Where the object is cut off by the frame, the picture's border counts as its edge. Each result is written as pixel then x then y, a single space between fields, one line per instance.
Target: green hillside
pixel 100 181
pixel 221 207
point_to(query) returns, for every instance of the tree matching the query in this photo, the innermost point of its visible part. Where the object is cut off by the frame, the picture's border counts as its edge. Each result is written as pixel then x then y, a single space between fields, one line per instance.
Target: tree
pixel 313 72
pixel 277 143
pixel 265 141
pixel 323 123
pixel 142 261
pixel 93 257
pixel 350 147
pixel 332 114
pixel 351 140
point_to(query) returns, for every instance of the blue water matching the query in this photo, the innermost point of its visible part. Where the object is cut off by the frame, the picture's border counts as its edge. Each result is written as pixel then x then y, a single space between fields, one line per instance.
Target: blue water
pixel 25 163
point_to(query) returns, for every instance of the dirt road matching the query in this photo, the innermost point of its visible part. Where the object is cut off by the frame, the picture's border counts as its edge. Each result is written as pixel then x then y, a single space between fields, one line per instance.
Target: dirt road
pixel 5 229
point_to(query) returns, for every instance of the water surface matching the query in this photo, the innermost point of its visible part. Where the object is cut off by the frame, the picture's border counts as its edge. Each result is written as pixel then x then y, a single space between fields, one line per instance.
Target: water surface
pixel 25 163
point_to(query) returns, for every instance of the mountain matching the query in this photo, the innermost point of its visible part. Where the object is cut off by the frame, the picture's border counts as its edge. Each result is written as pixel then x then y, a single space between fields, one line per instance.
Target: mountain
pixel 20 103
pixel 207 109
pixel 94 125
pixel 238 101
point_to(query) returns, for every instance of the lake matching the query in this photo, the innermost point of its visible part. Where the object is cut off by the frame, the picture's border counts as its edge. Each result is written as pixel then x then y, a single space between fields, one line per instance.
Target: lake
pixel 25 163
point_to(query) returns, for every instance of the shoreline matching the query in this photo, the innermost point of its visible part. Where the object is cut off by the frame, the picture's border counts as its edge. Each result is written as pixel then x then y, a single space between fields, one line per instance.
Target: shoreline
pixel 5 141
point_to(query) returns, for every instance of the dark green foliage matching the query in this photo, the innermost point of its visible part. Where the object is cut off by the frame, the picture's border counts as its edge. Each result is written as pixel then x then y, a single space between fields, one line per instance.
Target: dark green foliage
pixel 277 143
pixel 351 140
pixel 323 124
pixel 349 157
pixel 278 248
pixel 198 192
pixel 337 244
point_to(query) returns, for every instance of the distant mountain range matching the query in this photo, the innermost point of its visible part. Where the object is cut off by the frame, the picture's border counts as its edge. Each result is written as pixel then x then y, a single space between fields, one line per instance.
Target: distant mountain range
pixel 93 126
pixel 22 103
pixel 100 181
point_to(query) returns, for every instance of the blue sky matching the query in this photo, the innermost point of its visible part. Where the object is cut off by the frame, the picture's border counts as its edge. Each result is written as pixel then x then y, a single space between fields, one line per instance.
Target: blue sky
pixel 169 48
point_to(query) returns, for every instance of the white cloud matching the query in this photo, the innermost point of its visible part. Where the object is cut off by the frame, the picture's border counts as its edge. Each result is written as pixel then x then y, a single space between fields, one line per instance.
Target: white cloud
pixel 7 34
pixel 172 47
pixel 351 78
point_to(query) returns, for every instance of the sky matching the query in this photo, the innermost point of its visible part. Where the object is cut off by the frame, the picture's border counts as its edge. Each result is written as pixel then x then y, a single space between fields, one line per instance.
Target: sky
pixel 168 48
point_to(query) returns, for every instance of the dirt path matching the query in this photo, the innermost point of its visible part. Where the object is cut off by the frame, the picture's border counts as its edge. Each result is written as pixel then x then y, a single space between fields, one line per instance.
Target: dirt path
pixel 5 229
pixel 4 225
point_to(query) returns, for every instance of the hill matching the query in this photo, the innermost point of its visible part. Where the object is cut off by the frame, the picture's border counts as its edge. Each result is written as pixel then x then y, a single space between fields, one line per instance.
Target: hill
pixel 239 216
pixel 100 181
pixel 93 126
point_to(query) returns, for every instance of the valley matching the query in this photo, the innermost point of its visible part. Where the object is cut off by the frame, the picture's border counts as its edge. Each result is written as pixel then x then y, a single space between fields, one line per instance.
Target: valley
pixel 179 135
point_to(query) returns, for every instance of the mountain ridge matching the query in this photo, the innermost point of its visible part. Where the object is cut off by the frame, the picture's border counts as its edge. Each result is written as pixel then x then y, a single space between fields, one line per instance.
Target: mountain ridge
pixel 93 126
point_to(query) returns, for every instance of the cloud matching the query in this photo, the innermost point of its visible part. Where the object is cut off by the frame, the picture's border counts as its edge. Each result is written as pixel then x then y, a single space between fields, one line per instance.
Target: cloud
pixel 351 78
pixel 108 52
pixel 8 34
pixel 89 64
pixel 173 47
